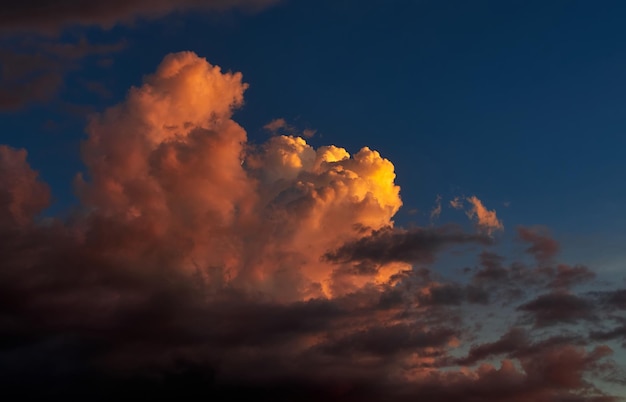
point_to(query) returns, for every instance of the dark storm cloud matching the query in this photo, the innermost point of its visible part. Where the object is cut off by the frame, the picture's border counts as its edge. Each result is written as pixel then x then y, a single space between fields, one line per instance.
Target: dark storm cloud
pixel 389 340
pixel 558 307
pixel 51 15
pixel 617 333
pixel 612 304
pixel 512 281
pixel 615 298
pixel 566 276
pixel 397 245
pixel 453 294
pixel 519 343
pixel 101 325
pixel 514 339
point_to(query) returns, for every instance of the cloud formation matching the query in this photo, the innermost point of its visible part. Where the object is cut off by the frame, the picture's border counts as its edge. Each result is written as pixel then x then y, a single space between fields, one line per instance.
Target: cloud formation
pixel 436 211
pixel 202 265
pixel 542 246
pixel 171 158
pixel 410 246
pixel 34 71
pixel 22 194
pixel 486 219
pixel 50 15
pixel 280 126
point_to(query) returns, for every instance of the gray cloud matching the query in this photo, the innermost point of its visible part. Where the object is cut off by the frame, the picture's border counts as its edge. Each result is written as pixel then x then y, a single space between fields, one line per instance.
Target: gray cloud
pixel 51 15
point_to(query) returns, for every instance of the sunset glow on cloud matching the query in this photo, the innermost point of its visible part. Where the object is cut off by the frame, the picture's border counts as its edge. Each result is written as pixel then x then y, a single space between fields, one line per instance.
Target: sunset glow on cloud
pixel 278 263
pixel 171 160
pixel 485 218
pixel 304 220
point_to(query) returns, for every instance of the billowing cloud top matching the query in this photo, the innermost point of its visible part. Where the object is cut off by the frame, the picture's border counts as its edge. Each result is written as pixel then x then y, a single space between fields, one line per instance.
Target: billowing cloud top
pixel 171 158
pixel 199 264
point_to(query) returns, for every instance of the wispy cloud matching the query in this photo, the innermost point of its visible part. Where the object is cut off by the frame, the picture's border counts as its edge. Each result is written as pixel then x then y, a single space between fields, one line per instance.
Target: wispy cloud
pixel 34 71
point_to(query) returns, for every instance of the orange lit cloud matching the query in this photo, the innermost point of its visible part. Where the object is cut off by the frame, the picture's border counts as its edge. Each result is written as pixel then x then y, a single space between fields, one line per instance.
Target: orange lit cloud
pixel 170 157
pixel 486 219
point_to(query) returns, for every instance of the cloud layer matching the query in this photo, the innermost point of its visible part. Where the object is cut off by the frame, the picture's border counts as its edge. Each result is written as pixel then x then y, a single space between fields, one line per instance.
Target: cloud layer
pixel 201 265
pixel 50 15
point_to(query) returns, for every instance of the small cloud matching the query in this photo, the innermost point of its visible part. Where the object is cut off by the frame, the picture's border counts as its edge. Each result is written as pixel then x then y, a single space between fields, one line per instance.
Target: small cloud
pixel 276 125
pixel 456 203
pixel 308 133
pixel 280 126
pixel 436 211
pixel 98 88
pixel 558 307
pixel 487 220
pixel 542 246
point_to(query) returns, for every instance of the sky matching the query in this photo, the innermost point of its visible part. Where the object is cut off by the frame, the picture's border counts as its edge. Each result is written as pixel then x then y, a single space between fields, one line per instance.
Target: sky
pixel 313 200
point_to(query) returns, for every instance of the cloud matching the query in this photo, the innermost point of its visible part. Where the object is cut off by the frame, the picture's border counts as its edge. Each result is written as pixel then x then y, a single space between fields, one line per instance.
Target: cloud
pixel 22 194
pixel 562 276
pixel 456 203
pixel 199 263
pixel 436 211
pixel 558 307
pixel 613 299
pixel 486 219
pixel 410 246
pixel 48 15
pixel 615 333
pixel 280 126
pixel 542 246
pixel 567 276
pixel 159 159
pixel 308 133
pixel 275 125
pixel 518 342
pixel 35 71
pixel 492 270
pixel 34 66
